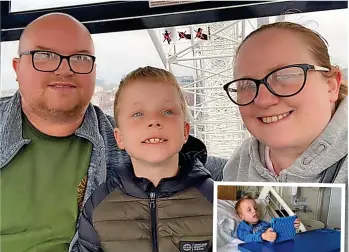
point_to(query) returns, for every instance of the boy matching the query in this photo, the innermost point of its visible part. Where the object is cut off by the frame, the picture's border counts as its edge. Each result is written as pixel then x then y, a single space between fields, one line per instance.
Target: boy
pixel 162 201
pixel 252 229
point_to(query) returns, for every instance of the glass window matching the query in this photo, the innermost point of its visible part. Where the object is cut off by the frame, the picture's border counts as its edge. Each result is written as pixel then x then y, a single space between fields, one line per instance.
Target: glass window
pixel 19 5
pixel 8 84
pixel 202 64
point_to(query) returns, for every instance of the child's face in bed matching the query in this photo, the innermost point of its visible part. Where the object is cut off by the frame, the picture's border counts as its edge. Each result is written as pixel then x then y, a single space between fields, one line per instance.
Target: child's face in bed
pixel 248 211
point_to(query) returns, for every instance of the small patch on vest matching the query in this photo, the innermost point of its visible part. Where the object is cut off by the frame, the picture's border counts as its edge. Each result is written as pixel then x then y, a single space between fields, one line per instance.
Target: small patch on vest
pixel 197 246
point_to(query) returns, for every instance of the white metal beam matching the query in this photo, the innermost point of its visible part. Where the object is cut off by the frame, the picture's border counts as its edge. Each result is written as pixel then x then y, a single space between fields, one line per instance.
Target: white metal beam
pixel 202 57
pixel 200 69
pixel 158 46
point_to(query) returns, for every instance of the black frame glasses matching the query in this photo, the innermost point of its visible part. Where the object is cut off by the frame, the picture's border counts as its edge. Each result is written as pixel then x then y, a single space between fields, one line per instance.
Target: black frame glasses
pixel 61 57
pixel 264 81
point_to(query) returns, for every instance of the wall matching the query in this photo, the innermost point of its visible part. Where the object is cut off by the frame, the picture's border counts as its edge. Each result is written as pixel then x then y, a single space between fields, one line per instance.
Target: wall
pixel 334 210
pixel 227 192
pixel 310 194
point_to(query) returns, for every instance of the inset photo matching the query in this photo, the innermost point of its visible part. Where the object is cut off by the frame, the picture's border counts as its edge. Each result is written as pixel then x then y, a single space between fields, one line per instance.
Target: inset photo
pixel 269 217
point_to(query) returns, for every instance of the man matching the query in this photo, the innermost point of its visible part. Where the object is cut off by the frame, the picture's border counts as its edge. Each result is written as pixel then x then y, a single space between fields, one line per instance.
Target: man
pixel 55 147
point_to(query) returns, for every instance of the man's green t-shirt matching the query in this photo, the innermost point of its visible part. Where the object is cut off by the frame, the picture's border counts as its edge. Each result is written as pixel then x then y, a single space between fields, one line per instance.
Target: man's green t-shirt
pixel 39 192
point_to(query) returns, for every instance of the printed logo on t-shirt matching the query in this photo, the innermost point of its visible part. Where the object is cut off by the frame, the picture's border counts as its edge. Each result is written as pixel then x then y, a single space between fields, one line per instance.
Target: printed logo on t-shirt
pixel 197 246
pixel 258 228
pixel 81 191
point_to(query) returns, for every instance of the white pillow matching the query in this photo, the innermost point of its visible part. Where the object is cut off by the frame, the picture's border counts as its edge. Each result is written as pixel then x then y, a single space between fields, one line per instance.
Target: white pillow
pixel 226 209
pixel 228 220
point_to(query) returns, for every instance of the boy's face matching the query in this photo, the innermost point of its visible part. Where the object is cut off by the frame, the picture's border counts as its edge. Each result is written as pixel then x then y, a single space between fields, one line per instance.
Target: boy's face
pixel 248 211
pixel 151 126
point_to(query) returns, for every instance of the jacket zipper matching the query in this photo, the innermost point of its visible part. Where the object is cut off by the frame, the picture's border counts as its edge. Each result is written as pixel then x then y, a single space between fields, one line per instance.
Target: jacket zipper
pixel 154 233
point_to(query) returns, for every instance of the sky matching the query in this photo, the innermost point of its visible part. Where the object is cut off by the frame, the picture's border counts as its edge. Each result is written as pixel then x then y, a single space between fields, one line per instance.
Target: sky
pixel 121 52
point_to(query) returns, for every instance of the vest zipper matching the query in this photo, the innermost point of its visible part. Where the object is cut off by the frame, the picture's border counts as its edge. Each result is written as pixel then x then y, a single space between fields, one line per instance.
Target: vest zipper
pixel 154 230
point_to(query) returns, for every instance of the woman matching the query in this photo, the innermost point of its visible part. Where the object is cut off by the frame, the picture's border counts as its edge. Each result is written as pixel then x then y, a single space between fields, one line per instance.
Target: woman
pixel 294 103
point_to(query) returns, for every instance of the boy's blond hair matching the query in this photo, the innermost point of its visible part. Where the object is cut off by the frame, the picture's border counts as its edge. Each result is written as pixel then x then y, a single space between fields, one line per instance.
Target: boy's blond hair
pixel 150 74
pixel 238 204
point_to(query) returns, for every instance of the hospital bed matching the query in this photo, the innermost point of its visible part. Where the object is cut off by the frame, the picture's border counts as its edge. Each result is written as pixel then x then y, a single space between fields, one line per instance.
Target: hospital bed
pixel 269 204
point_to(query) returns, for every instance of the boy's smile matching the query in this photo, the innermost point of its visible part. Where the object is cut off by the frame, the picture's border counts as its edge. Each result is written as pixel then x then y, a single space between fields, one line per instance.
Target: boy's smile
pixel 154 140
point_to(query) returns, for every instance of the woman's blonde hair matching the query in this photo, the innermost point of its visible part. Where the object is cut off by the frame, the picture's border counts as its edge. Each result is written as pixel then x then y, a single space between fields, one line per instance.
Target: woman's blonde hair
pixel 317 46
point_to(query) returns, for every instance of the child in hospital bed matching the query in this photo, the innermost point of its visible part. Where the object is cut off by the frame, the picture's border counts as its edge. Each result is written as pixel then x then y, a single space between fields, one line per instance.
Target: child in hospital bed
pixel 252 229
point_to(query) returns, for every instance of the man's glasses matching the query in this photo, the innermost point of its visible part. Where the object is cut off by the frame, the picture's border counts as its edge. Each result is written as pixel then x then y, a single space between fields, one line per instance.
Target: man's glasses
pixel 46 61
pixel 283 82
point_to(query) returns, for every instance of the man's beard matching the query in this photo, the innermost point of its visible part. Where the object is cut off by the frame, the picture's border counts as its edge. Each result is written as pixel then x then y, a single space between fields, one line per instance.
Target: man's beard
pixel 59 115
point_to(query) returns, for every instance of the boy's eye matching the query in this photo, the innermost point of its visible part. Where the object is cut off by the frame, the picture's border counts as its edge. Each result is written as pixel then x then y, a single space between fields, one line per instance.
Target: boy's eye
pixel 168 112
pixel 137 114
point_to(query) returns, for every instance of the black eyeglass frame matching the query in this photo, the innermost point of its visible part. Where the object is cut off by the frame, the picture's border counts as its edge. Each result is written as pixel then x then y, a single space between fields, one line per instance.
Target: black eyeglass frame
pixel 61 59
pixel 304 67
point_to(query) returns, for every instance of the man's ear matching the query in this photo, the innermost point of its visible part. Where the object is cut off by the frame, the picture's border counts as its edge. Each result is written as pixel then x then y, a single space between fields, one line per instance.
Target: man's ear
pixel 186 131
pixel 15 66
pixel 118 138
pixel 334 84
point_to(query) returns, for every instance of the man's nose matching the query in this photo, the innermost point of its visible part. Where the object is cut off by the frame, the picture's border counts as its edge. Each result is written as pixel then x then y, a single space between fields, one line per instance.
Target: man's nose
pixel 64 68
pixel 265 98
